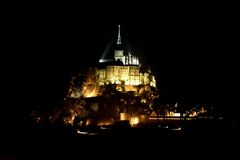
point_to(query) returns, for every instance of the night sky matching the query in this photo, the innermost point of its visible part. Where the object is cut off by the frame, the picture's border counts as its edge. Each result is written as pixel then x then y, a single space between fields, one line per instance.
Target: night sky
pixel 192 50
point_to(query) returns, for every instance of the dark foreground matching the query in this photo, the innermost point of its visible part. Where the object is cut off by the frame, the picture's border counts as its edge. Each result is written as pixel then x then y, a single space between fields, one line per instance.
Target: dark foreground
pixel 195 139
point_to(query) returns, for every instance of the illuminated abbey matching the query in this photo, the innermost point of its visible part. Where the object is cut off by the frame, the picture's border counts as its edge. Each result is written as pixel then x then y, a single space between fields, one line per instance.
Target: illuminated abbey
pixel 118 88
pixel 124 69
pixel 121 69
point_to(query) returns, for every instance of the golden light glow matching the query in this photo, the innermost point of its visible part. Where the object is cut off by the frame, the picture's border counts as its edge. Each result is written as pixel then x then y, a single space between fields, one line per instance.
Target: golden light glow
pixel 105 123
pixel 194 114
pixel 91 87
pixel 69 120
pixel 88 122
pixel 127 75
pixel 119 88
pixel 125 116
pixel 130 88
pixel 90 93
pixel 134 121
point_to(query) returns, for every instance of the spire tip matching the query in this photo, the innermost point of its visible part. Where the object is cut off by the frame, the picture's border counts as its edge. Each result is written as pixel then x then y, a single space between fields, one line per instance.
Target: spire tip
pixel 119 36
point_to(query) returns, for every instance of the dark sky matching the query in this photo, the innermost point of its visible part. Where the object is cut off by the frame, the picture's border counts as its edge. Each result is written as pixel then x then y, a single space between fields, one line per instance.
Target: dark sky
pixel 191 49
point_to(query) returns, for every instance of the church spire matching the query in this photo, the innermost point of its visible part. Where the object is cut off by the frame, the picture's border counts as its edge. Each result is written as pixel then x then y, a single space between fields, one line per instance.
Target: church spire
pixel 119 36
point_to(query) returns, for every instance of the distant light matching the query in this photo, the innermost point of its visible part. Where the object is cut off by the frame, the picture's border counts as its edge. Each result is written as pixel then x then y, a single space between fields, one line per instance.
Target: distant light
pixel 93 134
pixel 134 121
pixel 176 115
pixel 79 132
pixel 177 129
pixel 101 60
pixel 104 123
pixel 105 60
pixel 165 127
pixel 105 128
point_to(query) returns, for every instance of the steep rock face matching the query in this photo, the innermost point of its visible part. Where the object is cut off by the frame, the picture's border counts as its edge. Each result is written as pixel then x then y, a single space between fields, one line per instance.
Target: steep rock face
pixel 88 99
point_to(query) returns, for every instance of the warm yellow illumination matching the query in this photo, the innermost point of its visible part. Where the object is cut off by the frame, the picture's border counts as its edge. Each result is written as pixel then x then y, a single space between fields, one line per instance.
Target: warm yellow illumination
pixel 194 114
pixel 125 116
pixel 119 88
pixel 130 88
pixel 105 123
pixel 176 115
pixel 90 91
pixel 134 121
pixel 88 122
pixel 126 74
pixel 69 120
pixel 142 118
